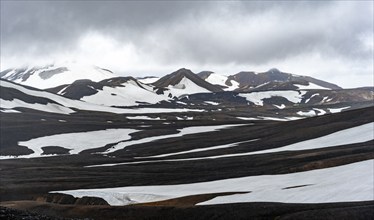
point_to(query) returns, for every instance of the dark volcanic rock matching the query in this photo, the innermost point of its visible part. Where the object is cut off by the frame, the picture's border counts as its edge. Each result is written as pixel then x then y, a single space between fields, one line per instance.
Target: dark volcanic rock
pixel 65 199
pixel 55 150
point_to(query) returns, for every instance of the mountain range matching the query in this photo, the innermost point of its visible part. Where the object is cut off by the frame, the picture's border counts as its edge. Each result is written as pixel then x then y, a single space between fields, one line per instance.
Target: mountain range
pixel 79 141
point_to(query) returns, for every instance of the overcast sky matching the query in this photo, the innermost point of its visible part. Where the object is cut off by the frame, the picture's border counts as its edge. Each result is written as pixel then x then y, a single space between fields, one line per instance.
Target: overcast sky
pixel 331 40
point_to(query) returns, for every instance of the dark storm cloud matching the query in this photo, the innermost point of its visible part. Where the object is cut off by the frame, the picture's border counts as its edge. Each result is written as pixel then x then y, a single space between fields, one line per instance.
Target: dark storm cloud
pixel 55 23
pixel 194 32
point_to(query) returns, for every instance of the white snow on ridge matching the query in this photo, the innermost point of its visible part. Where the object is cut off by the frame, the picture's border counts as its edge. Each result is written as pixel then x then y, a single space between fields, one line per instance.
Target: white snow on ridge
pixel 77 142
pixel 257 97
pixel 351 182
pixel 149 80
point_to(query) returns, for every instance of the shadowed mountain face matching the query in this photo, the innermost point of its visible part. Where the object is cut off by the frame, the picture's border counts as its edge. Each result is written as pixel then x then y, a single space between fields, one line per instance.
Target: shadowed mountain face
pixel 176 77
pixel 278 147
pixel 81 88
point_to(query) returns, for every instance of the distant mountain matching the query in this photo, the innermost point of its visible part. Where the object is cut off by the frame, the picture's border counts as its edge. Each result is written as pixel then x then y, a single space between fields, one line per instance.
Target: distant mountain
pixel 252 79
pixel 54 75
pixel 184 82
pixel 272 79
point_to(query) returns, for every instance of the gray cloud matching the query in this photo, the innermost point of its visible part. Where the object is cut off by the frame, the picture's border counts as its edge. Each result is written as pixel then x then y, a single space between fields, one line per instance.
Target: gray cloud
pixel 247 33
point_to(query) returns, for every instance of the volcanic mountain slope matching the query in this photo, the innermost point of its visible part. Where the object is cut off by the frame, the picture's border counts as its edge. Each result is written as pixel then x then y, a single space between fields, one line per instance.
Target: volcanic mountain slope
pixel 272 79
pixel 55 74
pixel 184 82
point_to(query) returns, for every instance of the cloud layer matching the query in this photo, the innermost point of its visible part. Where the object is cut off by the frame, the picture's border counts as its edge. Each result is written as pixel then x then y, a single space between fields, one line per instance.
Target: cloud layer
pixel 330 40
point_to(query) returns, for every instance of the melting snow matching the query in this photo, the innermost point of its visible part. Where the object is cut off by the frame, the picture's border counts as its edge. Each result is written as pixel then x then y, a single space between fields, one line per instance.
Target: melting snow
pixel 280 106
pixel 316 94
pixel 337 110
pixel 310 113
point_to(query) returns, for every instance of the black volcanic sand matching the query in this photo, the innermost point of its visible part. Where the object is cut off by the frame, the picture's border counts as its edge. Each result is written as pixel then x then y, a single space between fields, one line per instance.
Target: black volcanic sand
pixel 30 179
pixel 263 211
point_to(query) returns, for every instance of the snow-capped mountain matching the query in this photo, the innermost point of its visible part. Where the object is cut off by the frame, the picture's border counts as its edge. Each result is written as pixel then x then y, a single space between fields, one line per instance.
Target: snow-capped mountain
pixel 56 74
pixel 118 91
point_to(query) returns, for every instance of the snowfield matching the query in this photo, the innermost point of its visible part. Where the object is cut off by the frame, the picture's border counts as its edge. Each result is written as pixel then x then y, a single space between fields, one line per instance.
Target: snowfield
pixel 186 87
pixel 351 182
pixel 76 142
pixel 258 97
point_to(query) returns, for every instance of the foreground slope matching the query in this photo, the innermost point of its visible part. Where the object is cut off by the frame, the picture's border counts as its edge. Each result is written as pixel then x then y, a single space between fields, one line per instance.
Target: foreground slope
pixel 228 162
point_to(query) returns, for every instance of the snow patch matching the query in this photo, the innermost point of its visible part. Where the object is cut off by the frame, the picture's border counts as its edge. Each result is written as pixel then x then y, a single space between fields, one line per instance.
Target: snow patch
pixel 356 180
pixel 257 97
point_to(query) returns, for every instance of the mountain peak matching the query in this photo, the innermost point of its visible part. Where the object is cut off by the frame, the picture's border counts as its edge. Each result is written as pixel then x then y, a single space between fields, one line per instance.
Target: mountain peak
pixel 176 77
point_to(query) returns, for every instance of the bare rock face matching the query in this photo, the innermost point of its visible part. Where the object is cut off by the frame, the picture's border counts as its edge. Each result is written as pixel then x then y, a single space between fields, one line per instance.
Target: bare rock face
pixel 65 199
